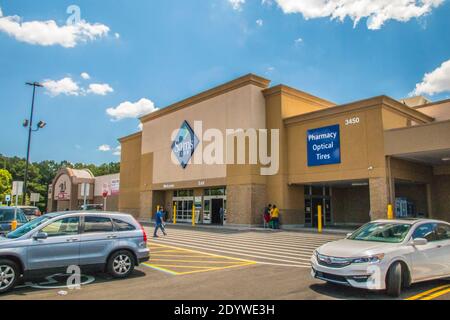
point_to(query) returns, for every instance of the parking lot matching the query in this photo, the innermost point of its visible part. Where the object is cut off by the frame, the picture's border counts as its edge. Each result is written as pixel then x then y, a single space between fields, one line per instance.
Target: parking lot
pixel 221 264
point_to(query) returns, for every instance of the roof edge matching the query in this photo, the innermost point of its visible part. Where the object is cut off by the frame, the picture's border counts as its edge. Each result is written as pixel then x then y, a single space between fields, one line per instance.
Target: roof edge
pixel 130 137
pixel 281 88
pixel 208 94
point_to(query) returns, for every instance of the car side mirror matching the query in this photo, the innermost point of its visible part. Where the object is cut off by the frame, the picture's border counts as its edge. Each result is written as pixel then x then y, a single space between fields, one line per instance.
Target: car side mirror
pixel 40 236
pixel 419 242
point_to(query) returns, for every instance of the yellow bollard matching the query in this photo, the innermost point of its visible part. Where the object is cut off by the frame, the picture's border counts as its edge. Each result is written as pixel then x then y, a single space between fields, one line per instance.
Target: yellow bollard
pixel 193 215
pixel 13 225
pixel 319 218
pixel 390 212
pixel 174 214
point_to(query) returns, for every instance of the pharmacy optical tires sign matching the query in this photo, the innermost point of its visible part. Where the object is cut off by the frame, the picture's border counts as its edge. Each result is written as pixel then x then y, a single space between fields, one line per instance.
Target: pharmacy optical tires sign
pixel 324 146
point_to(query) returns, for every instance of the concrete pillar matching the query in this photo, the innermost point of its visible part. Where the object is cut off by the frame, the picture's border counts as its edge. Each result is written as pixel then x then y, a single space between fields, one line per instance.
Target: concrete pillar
pixel 146 204
pixel 245 204
pixel 379 198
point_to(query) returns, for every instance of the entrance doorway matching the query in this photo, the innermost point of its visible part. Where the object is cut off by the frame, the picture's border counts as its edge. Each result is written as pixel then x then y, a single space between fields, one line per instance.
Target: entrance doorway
pixel 217 211
pixel 316 196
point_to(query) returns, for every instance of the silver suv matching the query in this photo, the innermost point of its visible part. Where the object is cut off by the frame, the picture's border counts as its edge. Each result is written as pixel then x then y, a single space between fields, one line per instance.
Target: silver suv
pixel 110 242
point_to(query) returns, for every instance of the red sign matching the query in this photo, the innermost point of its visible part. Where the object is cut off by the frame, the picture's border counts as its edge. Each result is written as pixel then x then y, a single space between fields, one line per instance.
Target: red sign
pixel 105 194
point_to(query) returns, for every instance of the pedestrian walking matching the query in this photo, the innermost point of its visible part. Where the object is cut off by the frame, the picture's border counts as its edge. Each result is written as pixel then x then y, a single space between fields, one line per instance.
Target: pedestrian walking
pixel 266 216
pixel 275 217
pixel 159 222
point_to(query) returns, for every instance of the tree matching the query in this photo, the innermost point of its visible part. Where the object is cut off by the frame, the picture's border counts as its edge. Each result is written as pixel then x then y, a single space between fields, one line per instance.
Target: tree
pixel 5 184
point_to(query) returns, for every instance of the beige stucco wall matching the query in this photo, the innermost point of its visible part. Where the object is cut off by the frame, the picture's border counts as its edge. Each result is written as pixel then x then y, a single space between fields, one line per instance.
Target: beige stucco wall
pixel 130 175
pixel 240 108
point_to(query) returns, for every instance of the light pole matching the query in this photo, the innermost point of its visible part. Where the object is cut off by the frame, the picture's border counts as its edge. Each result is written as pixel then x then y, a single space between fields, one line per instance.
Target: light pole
pixel 29 124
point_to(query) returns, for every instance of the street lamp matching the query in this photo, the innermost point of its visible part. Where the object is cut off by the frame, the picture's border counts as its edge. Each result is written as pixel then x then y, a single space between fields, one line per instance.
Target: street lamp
pixel 29 124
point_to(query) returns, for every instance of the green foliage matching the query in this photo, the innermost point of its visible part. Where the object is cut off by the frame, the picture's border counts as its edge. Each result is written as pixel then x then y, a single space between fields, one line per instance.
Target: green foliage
pixel 5 184
pixel 41 174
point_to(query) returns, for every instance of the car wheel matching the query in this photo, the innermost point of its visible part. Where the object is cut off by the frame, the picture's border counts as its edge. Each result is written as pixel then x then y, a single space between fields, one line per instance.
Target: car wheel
pixel 121 264
pixel 9 274
pixel 394 280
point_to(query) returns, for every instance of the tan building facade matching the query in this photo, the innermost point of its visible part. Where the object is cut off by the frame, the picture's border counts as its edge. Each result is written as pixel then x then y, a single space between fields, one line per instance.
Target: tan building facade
pixel 353 160
pixel 65 193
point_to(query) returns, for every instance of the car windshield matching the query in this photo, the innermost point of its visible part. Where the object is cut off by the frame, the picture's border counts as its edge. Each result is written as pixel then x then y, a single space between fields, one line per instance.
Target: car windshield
pixel 6 215
pixel 382 232
pixel 29 211
pixel 28 227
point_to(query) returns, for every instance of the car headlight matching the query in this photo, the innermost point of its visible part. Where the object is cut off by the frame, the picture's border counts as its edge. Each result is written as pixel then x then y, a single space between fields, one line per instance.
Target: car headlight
pixel 316 253
pixel 372 259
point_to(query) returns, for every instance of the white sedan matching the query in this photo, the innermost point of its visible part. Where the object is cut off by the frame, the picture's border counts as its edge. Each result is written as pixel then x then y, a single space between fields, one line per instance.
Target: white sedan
pixel 386 255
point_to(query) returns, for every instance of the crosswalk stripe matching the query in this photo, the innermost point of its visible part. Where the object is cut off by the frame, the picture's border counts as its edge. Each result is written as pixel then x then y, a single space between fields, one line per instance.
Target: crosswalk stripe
pixel 235 253
pixel 293 237
pixel 299 251
pixel 200 245
pixel 278 245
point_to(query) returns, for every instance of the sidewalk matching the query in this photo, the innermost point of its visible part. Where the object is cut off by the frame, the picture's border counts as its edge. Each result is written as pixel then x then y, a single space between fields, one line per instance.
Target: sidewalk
pixel 338 231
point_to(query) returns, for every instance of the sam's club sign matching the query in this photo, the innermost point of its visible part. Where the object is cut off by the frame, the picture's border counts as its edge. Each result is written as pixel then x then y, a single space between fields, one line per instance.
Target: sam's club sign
pixel 185 144
pixel 324 146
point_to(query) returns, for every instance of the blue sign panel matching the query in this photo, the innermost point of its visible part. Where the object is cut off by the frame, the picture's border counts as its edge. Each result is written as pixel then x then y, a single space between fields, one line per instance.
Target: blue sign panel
pixel 324 146
pixel 185 144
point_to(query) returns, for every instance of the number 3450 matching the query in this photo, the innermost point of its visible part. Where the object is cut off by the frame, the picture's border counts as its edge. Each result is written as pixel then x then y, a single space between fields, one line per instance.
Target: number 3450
pixel 352 121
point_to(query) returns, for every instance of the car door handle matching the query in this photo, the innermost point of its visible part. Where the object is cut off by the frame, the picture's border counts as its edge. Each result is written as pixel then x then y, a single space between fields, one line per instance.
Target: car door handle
pixel 72 240
pixel 112 237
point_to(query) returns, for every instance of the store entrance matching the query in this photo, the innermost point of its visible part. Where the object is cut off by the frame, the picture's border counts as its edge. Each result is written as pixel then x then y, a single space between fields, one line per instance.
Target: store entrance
pixel 217 211
pixel 316 196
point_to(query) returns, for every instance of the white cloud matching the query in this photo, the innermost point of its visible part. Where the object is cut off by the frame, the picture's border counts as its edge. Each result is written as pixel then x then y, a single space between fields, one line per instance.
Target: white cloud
pixel 140 126
pixel 298 41
pixel 117 151
pixel 131 110
pixel 49 33
pixel 64 86
pixel 437 81
pixel 104 148
pixel 100 89
pixel 260 22
pixel 377 12
pixel 117 35
pixel 85 76
pixel 237 4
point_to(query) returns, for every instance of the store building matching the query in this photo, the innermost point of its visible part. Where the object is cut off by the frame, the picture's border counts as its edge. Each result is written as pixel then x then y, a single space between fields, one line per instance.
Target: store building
pixel 352 159
pixel 65 191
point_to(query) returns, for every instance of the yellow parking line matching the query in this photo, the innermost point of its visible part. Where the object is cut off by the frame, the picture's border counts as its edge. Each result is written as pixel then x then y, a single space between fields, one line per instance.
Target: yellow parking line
pixel 217 268
pixel 161 269
pixel 183 267
pixel 429 292
pixel 178 255
pixel 205 253
pixel 163 251
pixel 437 294
pixel 197 261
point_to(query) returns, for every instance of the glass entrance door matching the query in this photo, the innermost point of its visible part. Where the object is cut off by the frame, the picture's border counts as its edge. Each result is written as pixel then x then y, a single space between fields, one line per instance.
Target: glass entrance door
pixel 316 196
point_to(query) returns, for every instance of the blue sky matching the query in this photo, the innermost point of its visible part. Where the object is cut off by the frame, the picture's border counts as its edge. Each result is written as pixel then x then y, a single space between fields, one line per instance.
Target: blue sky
pixel 158 52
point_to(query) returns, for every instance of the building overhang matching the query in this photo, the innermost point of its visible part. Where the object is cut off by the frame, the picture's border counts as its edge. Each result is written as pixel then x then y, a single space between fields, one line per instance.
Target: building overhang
pixel 427 143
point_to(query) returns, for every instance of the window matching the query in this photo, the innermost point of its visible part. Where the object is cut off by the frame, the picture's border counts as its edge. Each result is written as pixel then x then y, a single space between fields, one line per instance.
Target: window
pixel 122 226
pixel 97 224
pixel 62 227
pixel 6 215
pixel 381 232
pixel 183 193
pixel 443 232
pixel 426 231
